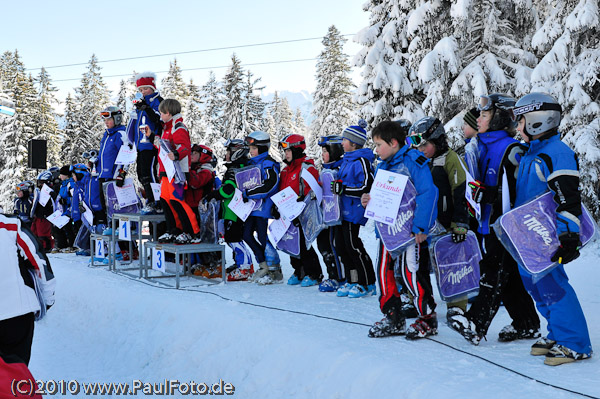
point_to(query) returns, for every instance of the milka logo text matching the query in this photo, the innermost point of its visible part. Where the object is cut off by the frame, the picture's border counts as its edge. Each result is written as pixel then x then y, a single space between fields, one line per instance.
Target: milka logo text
pixel 455 277
pixel 533 224
pixel 250 182
pixel 401 220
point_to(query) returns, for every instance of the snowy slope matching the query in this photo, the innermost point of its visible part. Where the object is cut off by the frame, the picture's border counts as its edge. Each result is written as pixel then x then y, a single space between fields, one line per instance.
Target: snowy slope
pixel 269 343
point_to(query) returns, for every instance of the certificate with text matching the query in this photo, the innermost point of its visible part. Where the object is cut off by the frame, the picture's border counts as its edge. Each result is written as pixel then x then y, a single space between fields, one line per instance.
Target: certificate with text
pixel 386 194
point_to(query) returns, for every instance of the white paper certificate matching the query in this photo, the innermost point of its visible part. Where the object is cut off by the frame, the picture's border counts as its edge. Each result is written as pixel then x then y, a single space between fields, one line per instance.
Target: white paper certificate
pixel 277 228
pixel 45 195
pixel 167 163
pixel 126 195
pixel 58 219
pixel 239 207
pixel 313 183
pixel 126 155
pixel 286 203
pixel 386 195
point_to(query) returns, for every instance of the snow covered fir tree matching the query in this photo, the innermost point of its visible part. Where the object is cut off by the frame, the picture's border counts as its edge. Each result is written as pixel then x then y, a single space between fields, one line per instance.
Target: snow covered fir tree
pixel 416 58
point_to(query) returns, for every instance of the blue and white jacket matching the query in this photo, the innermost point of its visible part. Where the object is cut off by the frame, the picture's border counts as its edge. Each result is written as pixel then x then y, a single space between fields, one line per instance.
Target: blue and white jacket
pixel 549 164
pixel 498 151
pixel 412 163
pixel 78 195
pixel 356 173
pixel 110 145
pixel 153 122
pixel 270 184
pixel 91 195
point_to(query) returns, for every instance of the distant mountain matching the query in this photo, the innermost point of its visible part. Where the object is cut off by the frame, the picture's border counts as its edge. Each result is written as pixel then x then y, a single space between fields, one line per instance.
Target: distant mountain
pixel 302 100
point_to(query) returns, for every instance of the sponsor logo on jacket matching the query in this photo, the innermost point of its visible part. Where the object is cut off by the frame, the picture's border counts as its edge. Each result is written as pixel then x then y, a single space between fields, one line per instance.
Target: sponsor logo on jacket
pixel 533 224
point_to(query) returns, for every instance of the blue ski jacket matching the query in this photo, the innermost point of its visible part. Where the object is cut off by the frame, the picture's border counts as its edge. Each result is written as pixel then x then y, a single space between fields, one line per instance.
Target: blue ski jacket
pixel 144 117
pixel 356 173
pixel 498 151
pixel 92 193
pixel 64 193
pixel 270 185
pixel 109 149
pixel 78 195
pixel 412 163
pixel 549 164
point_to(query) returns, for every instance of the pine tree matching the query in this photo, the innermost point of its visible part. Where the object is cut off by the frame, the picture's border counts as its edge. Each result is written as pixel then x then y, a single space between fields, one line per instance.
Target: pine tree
pixel 47 124
pixel 332 107
pixel 193 117
pixel 91 97
pixel 569 41
pixel 18 129
pixel 389 89
pixel 254 109
pixel 233 102
pixel 283 123
pixel 69 131
pixel 173 85
pixel 211 99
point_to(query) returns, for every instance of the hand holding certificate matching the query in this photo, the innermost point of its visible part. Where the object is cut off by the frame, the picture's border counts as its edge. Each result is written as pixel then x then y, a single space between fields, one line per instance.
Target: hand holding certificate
pixel 385 196
pixel 286 203
pixel 239 207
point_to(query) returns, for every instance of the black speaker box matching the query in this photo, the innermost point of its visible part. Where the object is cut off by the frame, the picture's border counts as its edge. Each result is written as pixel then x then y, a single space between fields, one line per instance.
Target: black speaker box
pixel 36 154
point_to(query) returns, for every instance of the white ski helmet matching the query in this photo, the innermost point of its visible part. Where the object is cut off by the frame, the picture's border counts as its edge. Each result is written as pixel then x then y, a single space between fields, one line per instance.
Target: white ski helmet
pixel 113 112
pixel 541 112
pixel 258 139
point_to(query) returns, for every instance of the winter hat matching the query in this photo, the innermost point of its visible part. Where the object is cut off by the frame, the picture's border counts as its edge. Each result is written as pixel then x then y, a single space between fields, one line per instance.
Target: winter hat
pixel 146 79
pixel 356 133
pixel 65 170
pixel 471 116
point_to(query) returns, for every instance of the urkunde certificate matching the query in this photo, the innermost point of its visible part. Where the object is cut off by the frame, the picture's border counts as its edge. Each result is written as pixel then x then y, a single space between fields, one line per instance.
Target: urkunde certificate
pixel 386 194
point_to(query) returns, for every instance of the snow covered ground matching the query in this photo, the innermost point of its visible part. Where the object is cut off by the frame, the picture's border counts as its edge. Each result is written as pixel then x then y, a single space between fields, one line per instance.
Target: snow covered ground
pixel 285 342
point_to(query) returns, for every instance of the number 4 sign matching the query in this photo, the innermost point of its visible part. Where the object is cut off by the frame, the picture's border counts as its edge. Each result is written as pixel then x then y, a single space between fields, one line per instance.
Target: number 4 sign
pixel 125 230
pixel 158 259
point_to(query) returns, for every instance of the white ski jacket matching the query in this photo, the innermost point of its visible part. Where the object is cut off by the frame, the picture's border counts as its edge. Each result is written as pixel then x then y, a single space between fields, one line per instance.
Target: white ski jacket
pixel 26 279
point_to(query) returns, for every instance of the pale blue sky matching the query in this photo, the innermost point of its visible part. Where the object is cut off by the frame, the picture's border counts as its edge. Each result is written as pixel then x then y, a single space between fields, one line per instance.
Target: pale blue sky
pixel 50 33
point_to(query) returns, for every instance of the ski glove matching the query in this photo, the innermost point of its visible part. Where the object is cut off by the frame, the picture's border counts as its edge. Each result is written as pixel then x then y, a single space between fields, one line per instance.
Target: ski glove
pixel 568 250
pixel 296 222
pixel 120 179
pixel 245 196
pixel 81 208
pixel 229 175
pixel 459 234
pixel 141 105
pixel 337 187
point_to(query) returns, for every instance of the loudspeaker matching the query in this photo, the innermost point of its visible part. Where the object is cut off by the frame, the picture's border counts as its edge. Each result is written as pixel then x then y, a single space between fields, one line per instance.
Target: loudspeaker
pixel 36 154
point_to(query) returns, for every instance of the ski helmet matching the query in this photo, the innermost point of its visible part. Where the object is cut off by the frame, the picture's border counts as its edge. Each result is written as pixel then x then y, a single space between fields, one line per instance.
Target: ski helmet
pixel 333 145
pixel 25 186
pixel 55 171
pixel 44 176
pixel 405 125
pixel 80 170
pixel 113 112
pixel 292 141
pixel 501 105
pixel 206 154
pixel 91 156
pixel 425 129
pixel 237 148
pixel 258 139
pixel 541 112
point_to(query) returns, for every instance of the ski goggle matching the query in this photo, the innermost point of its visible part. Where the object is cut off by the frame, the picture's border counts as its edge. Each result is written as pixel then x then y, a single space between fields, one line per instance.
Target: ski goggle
pixel 485 103
pixel 287 145
pixel 89 154
pixel 416 140
pixel 516 114
pixel 326 140
pixel 106 114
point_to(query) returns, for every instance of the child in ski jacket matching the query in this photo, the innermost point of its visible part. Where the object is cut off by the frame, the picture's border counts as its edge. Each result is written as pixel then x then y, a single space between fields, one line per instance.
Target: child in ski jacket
pixel 23 202
pixel 398 157
pixel 307 269
pixel 331 154
pixel 258 144
pixel 549 164
pixel 499 154
pixel 182 225
pixel 146 116
pixel 354 178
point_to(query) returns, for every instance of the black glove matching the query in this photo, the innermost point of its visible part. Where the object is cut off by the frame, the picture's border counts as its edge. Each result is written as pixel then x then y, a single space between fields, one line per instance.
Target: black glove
pixel 300 198
pixel 459 234
pixel 120 179
pixel 141 105
pixel 245 197
pixel 337 187
pixel 275 212
pixel 62 201
pixel 213 195
pixel 229 175
pixel 296 222
pixel 568 250
pixel 477 191
pixel 130 145
pixel 81 208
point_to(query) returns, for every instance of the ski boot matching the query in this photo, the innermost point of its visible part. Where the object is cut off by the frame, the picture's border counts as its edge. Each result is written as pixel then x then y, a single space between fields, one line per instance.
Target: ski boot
pixel 466 328
pixel 392 324
pixel 423 327
pixel 510 333
pixel 263 270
